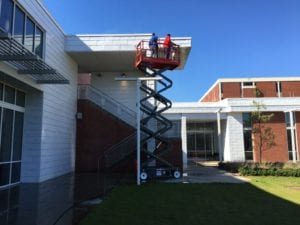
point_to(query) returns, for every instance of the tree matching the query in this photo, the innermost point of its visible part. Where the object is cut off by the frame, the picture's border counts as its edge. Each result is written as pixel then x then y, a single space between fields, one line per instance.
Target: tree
pixel 266 136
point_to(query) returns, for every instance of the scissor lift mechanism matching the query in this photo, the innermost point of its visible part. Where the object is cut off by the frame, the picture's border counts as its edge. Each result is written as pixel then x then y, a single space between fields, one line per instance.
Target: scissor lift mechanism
pixel 153 124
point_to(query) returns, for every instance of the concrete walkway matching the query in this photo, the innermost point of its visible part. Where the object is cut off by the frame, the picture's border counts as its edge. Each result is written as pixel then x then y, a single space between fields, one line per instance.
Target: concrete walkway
pixel 207 172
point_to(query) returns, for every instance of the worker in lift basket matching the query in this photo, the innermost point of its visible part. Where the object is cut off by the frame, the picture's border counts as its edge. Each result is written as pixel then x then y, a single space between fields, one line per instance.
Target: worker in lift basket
pixel 167 45
pixel 153 45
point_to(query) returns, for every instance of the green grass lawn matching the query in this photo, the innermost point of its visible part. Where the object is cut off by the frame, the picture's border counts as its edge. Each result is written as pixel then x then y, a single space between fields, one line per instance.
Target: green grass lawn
pixel 255 203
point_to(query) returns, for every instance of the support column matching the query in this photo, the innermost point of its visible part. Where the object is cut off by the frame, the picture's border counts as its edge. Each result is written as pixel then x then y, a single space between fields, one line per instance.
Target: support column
pixel 219 135
pixel 183 142
pixel 138 132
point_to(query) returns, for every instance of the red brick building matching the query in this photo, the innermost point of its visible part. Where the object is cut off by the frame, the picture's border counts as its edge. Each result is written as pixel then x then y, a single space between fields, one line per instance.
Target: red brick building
pixel 220 127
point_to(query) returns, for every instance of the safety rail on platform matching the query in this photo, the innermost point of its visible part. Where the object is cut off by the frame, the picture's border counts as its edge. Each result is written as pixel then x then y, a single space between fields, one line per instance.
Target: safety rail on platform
pixel 146 57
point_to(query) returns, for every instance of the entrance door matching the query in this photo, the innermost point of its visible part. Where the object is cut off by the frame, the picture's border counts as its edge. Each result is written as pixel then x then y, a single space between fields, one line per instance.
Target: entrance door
pixel 201 141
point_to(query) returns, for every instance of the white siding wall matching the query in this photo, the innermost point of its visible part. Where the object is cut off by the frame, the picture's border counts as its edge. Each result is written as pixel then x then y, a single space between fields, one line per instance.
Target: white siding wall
pixel 234 141
pixel 31 154
pixel 57 109
pixel 122 91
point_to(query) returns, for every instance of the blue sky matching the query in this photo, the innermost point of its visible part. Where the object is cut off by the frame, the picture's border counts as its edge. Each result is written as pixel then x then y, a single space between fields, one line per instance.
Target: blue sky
pixel 230 38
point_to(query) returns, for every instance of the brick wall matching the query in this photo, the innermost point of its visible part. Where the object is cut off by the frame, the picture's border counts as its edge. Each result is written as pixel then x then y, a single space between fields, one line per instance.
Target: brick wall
pixel 231 90
pixel 96 132
pixel 175 155
pixel 290 88
pixel 279 152
pixel 267 89
pixel 213 95
pixel 249 92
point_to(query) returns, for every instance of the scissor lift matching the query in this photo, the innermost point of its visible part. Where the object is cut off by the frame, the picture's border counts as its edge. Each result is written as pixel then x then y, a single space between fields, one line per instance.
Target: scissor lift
pixel 153 145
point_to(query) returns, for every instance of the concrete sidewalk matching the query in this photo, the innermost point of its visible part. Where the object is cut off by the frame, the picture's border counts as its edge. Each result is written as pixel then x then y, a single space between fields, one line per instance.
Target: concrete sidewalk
pixel 207 172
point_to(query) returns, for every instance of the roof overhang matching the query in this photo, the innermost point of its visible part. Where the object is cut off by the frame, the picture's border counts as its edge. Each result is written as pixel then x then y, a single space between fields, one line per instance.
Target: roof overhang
pixel 113 53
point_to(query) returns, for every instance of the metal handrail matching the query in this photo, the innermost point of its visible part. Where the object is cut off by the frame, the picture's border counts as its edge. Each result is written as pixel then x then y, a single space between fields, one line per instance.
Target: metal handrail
pixel 108 103
pixel 117 152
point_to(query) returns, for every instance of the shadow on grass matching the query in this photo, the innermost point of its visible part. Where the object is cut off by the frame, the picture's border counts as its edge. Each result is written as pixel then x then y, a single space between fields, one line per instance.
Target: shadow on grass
pixel 193 204
pixel 56 201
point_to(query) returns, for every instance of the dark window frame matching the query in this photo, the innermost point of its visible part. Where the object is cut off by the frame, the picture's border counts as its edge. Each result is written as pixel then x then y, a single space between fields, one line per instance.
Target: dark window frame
pixel 246 130
pixel 21 39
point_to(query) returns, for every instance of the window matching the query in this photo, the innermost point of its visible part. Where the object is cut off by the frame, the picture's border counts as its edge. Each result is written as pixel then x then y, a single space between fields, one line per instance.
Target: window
pixel 4 174
pixel 201 140
pixel 18 136
pixel 38 42
pixel 7 127
pixel 11 135
pixel 247 121
pixel 248 84
pixel 29 34
pixel 6 12
pixel 290 129
pixel 1 92
pixel 247 133
pixel 288 119
pixel 9 94
pixel 19 25
pixel 25 31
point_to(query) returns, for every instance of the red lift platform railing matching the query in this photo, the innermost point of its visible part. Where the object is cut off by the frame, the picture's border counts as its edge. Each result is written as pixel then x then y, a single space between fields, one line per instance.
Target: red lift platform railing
pixel 145 56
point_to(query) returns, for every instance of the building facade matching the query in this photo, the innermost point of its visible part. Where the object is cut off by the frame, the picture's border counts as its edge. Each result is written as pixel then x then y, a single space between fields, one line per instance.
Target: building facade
pixel 220 126
pixel 63 103
pixel 41 103
pixel 38 95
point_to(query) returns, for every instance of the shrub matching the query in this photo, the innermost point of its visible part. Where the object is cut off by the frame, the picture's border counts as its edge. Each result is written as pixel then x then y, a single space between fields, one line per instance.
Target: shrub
pixel 274 171
pixel 262 169
pixel 232 167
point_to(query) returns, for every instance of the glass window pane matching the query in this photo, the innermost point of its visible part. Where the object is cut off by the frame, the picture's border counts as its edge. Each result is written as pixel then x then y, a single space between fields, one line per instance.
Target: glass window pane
pixel 4 196
pixel 247 123
pixel 190 126
pixel 4 174
pixel 191 141
pixel 7 122
pixel 18 136
pixel 29 34
pixel 20 99
pixel 200 141
pixel 289 139
pixel 3 216
pixel 248 140
pixel 249 155
pixel 1 90
pixel 14 197
pixel 15 172
pixel 287 119
pixel 38 42
pixel 9 94
pixel 6 12
pixel 209 141
pixel 19 25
